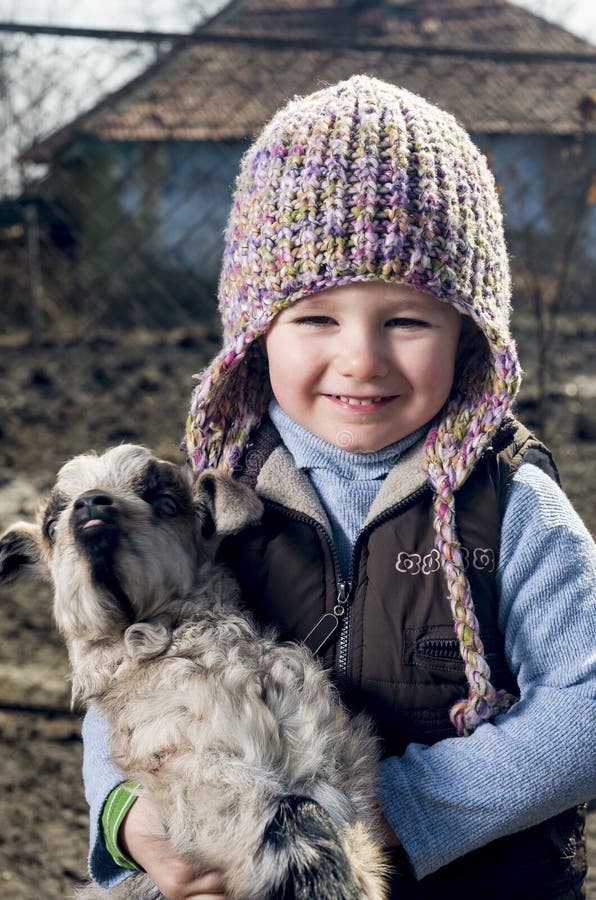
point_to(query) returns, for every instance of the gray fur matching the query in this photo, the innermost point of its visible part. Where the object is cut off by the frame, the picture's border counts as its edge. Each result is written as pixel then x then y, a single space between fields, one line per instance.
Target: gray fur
pixel 231 733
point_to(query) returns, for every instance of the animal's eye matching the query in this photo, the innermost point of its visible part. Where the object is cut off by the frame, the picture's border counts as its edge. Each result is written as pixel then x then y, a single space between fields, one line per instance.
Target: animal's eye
pixel 50 529
pixel 165 505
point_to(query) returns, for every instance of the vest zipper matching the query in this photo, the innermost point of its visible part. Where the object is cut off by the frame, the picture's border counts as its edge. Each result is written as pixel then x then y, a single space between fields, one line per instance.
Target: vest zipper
pixel 342 609
pixel 445 648
pixel 439 648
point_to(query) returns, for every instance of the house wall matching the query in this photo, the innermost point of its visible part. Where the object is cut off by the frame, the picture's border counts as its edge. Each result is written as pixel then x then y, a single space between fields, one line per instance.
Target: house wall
pixel 181 193
pixel 148 221
pixel 548 191
pixel 542 178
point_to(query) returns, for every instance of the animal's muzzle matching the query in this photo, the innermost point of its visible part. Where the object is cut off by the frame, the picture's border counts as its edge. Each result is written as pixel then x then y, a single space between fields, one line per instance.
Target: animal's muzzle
pixel 94 517
pixel 96 529
pixel 92 504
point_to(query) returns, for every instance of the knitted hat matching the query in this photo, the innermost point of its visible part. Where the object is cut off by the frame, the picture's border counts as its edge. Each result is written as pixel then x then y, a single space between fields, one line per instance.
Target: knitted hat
pixel 364 181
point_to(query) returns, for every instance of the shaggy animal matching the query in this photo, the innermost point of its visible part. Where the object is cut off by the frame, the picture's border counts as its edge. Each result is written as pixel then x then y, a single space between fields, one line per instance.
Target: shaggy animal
pixel 239 741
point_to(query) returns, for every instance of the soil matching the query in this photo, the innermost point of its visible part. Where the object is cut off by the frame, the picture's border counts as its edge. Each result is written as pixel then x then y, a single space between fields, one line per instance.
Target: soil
pixel 63 397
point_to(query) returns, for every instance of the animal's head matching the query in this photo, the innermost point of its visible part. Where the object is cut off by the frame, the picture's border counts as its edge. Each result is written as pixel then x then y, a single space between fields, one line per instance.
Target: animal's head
pixel 121 536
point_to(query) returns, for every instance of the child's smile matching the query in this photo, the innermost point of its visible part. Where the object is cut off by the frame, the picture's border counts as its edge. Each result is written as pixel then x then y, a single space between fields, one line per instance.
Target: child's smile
pixel 363 365
pixel 364 404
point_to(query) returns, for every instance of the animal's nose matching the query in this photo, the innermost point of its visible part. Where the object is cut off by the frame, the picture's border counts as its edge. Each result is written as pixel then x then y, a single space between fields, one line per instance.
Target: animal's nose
pixel 90 502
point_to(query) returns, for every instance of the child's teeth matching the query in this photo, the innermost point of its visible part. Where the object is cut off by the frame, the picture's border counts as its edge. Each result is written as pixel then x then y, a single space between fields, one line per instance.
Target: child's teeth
pixel 353 401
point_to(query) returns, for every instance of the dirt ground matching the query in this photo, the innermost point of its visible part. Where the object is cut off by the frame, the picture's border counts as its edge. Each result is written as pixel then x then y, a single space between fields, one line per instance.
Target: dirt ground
pixel 61 398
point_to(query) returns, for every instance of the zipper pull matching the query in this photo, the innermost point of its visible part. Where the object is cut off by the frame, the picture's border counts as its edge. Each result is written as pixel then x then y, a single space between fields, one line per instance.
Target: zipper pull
pixel 328 625
pixel 343 597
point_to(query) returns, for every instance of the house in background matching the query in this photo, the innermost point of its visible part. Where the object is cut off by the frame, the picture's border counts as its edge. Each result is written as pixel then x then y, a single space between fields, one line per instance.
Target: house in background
pixel 147 174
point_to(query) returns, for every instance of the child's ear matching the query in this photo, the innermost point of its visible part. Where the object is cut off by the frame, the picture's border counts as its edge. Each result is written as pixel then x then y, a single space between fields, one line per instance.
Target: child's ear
pixel 472 352
pixel 469 335
pixel 224 506
pixel 21 554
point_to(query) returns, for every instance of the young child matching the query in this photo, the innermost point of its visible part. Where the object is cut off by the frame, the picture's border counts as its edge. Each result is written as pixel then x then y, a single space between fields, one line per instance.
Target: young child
pixel 414 534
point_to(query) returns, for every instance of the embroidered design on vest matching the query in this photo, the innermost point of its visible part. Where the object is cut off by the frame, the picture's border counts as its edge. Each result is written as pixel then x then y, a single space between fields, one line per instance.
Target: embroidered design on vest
pixel 482 559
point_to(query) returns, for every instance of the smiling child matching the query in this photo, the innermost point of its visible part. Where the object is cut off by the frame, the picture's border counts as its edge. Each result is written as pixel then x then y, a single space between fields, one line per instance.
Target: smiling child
pixel 414 534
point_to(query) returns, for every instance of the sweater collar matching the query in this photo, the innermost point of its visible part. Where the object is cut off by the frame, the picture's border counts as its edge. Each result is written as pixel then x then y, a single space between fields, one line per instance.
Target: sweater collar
pixel 309 451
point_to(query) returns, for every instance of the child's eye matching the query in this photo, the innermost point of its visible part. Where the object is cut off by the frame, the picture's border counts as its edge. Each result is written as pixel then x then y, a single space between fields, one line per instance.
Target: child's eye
pixel 315 320
pixel 407 322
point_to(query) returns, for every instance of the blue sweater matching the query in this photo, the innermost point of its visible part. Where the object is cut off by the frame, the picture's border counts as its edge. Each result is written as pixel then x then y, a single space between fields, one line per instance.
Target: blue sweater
pixel 448 799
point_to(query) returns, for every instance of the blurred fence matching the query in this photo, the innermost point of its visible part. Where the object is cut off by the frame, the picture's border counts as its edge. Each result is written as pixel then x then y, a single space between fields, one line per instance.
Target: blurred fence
pixel 71 256
pixel 128 232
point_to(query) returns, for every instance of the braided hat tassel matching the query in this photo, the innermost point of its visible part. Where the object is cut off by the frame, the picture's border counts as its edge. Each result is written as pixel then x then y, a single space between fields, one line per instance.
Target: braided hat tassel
pixel 445 451
pixel 483 701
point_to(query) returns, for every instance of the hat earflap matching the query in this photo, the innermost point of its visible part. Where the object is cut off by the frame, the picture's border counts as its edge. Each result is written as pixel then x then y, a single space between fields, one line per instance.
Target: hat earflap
pixel 453 447
pixel 229 402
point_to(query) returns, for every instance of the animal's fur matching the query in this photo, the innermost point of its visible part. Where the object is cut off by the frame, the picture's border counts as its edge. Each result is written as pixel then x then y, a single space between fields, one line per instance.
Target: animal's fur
pixel 239 741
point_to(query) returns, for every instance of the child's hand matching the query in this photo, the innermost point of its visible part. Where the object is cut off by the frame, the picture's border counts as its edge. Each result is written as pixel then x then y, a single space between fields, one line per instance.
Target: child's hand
pixel 172 874
pixel 388 835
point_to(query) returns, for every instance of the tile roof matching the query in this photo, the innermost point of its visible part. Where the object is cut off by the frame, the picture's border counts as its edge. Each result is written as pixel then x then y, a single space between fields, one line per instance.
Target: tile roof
pixel 498 68
pixel 495 24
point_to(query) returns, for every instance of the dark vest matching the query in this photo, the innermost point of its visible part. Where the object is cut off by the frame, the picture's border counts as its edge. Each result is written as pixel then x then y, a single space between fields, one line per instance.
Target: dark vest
pixel 398 657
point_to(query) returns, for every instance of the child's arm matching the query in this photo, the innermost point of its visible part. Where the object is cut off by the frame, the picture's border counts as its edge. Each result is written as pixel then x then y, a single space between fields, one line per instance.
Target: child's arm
pixel 537 760
pixel 100 776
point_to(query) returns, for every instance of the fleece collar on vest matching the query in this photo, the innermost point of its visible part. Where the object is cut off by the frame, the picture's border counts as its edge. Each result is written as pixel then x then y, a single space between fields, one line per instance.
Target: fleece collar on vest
pixel 280 482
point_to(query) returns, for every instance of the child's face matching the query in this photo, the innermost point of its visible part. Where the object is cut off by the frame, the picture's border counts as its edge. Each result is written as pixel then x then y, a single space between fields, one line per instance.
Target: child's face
pixel 363 365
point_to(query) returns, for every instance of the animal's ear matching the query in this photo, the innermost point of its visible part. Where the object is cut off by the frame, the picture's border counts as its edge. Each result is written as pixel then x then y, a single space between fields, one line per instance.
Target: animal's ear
pixel 20 554
pixel 146 640
pixel 224 505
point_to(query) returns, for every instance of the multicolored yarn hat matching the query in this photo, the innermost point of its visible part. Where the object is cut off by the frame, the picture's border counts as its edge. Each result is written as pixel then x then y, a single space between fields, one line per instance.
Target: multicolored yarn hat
pixel 364 181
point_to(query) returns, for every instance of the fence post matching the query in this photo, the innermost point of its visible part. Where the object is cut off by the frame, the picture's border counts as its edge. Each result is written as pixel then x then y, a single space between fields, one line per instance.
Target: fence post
pixel 31 220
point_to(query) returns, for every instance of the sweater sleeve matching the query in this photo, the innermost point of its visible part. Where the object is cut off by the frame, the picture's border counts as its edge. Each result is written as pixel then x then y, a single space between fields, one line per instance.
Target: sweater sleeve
pixel 539 758
pixel 100 776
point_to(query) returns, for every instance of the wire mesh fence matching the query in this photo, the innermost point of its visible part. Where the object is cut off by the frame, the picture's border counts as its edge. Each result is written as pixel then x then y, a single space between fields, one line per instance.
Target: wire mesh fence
pixel 72 253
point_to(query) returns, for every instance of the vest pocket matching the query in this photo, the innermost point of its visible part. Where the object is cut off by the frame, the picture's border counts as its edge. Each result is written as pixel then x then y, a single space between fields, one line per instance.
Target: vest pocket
pixel 435 648
pixel 438 648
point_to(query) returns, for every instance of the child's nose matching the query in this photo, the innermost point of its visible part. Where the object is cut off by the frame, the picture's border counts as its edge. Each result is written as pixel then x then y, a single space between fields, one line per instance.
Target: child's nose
pixel 362 356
